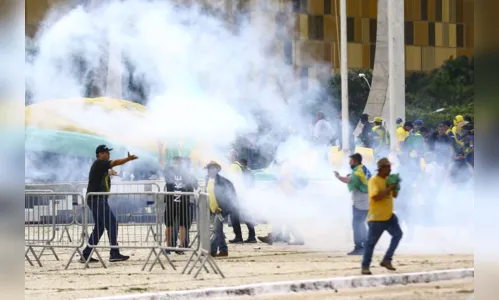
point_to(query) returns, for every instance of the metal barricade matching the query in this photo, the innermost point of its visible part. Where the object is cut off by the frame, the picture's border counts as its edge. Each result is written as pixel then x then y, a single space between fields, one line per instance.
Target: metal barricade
pixel 133 213
pixel 128 219
pixel 176 208
pixel 45 226
pixel 57 187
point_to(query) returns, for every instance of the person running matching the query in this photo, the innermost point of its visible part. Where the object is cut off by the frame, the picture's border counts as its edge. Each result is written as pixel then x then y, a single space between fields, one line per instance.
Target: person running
pixel 381 217
pixel 357 184
pixel 100 182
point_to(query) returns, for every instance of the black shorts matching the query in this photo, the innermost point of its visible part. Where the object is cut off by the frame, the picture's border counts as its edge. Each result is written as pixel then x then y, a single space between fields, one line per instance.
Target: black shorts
pixel 178 210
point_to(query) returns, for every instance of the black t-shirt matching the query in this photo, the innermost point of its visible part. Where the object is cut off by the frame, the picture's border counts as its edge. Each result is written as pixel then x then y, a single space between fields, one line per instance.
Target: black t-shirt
pixel 98 177
pixel 180 180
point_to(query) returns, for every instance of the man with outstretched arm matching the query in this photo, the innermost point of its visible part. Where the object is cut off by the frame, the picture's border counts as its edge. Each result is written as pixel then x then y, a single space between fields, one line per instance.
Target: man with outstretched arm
pixel 100 182
pixel 380 217
pixel 357 184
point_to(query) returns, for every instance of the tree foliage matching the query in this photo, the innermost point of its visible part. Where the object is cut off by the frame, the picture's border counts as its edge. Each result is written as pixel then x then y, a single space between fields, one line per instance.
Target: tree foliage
pixel 451 87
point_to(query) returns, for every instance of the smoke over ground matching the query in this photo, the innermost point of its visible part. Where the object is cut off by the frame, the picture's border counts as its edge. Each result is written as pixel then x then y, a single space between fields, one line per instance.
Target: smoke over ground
pixel 203 82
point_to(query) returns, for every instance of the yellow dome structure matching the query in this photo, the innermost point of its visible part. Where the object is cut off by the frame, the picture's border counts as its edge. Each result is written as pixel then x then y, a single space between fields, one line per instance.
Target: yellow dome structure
pixel 103 117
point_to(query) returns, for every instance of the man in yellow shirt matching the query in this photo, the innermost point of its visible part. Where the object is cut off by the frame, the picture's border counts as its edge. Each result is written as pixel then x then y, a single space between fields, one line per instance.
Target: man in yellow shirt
pixel 402 134
pixel 221 197
pixel 380 217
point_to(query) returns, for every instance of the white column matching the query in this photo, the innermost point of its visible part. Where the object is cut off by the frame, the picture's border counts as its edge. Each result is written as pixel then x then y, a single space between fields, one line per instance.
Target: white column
pixel 344 76
pixel 396 58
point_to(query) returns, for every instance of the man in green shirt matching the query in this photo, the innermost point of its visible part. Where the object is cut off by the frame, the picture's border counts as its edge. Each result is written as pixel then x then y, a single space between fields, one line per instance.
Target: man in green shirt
pixel 357 185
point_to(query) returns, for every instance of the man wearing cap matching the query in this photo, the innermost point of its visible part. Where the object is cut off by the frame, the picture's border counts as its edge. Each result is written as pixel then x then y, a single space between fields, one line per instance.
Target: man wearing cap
pixel 380 139
pixel 380 217
pixel 99 182
pixel 414 146
pixel 357 184
pixel 221 197
pixel 402 133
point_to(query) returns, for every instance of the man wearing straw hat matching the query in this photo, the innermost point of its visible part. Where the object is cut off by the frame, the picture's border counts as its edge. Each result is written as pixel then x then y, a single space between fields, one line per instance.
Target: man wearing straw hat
pixel 381 217
pixel 221 196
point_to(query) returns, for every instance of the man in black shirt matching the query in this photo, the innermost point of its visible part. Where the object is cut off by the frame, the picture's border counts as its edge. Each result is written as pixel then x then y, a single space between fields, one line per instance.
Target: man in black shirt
pixel 178 210
pixel 99 182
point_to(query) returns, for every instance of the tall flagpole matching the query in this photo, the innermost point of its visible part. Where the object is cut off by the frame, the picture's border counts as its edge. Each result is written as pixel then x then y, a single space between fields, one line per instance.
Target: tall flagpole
pixel 344 77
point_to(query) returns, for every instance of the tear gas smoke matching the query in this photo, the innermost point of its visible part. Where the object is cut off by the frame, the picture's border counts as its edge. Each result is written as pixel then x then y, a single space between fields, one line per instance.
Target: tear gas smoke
pixel 204 81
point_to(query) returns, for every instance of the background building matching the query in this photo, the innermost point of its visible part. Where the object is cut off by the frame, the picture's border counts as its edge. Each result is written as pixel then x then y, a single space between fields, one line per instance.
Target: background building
pixel 434 29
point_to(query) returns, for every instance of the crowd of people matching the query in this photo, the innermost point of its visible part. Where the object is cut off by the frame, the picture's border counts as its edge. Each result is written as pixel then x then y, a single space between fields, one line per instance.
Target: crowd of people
pixel 419 152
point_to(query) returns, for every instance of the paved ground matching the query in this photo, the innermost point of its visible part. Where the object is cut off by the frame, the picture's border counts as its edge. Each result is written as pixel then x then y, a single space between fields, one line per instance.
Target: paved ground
pixel 445 290
pixel 250 263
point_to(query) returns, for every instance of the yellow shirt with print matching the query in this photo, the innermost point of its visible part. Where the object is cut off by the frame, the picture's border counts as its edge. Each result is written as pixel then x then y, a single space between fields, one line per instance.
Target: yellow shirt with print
pixel 212 199
pixel 381 210
pixel 401 136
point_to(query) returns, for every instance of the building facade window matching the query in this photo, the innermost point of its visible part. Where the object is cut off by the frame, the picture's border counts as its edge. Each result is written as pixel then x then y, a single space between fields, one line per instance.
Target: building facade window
pixel 409 33
pixel 350 29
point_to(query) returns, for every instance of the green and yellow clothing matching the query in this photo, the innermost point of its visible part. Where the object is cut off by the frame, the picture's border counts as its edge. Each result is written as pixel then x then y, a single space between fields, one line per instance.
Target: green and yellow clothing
pixel 401 136
pixel 414 144
pixel 382 136
pixel 210 188
pixel 359 179
pixel 381 210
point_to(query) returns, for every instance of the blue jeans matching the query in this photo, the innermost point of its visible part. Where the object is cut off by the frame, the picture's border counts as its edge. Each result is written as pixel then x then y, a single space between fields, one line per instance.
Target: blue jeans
pixel 218 238
pixel 359 227
pixel 103 219
pixel 376 229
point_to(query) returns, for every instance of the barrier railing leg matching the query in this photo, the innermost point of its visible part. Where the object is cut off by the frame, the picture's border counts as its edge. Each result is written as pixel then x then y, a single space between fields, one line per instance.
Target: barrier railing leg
pixel 30 249
pixel 47 246
pixel 191 259
pixel 65 230
pixel 153 251
pixel 77 250
pixel 98 256
pixel 157 259
pixel 27 258
pixel 151 231
pixel 203 258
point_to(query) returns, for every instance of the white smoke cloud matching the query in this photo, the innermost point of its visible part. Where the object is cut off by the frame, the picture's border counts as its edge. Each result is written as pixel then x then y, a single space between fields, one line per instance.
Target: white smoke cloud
pixel 203 80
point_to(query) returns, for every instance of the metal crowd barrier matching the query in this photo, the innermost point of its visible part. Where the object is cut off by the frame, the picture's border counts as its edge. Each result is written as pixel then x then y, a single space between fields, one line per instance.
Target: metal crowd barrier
pixel 132 210
pixel 167 207
pixel 111 212
pixel 180 210
pixel 47 225
pixel 46 228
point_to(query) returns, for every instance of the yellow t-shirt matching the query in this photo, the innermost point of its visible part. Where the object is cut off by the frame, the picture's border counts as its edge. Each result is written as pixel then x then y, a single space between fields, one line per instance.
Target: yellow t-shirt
pixel 401 136
pixel 210 188
pixel 381 210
